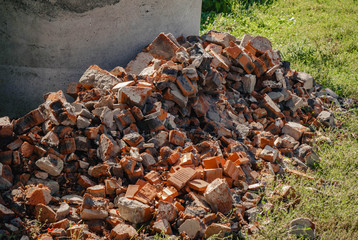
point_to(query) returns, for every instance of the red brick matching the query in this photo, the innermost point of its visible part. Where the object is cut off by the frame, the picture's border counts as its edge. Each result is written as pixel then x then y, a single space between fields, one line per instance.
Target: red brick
pixel 6 127
pixel 153 177
pixel 26 149
pixel 176 137
pixel 180 178
pixel 231 170
pixel 233 51
pixel 67 145
pixel 30 120
pixel 168 194
pixel 185 85
pixel 162 47
pixel 198 185
pixel 246 63
pixel 131 191
pixel 238 158
pixel 146 194
pixel 134 96
pixel 211 162
pixel 212 174
pixel 126 118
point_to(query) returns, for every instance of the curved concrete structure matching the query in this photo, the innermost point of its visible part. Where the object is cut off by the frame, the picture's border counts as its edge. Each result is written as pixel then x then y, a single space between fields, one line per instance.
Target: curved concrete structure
pixel 47 44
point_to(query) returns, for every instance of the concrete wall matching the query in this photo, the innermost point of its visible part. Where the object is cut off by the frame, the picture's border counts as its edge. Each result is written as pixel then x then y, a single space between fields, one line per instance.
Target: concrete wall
pixel 45 44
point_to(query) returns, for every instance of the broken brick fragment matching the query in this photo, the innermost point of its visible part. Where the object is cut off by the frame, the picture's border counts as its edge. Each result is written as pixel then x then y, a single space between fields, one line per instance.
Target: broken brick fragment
pixel 218 195
pixel 185 85
pixel 180 178
pixel 162 47
pixel 6 127
pixel 177 137
pixel 30 120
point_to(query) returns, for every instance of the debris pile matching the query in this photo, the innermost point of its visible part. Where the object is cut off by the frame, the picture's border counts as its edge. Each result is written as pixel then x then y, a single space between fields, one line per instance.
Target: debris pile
pixel 182 141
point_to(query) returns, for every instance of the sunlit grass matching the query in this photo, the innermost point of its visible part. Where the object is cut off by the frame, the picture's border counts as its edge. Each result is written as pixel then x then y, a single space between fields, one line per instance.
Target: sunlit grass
pixel 319 37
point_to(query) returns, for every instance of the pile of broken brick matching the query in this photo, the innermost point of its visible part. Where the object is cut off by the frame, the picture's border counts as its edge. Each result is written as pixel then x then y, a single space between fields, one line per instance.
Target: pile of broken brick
pixel 182 141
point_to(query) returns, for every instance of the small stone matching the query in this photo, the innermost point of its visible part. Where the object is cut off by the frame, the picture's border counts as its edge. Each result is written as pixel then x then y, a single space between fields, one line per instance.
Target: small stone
pixel 303 228
pixel 243 130
pixel 137 65
pixel 160 139
pixel 72 199
pixel 271 106
pixel 174 94
pixel 249 81
pixel 191 227
pixel 294 129
pixel 6 176
pixel 26 149
pixel 134 95
pixel 90 214
pixel 58 233
pixel 260 44
pixel 50 139
pixel 4 211
pixel 162 226
pixel 252 214
pixel 295 103
pixel 107 117
pixel 268 153
pixel 166 211
pixel 99 170
pixel 111 186
pixel 217 229
pixel 51 164
pixel 218 195
pixel 51 184
pixel 11 227
pixel 82 143
pixel 133 210
pixel 63 211
pixel 288 192
pixel 326 118
pixel 37 195
pixel 123 232
pixel 82 122
pixel 33 118
pixel 306 79
pixel 97 77
pixel 67 145
pixel 276 96
pixel 41 175
pixel 286 141
pixel 44 213
pixel 6 127
pixel 97 190
pixel 94 207
pixel 133 139
pixel 148 160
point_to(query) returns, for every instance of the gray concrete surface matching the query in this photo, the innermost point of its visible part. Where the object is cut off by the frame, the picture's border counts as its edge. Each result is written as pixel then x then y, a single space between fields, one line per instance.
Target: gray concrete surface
pixel 46 44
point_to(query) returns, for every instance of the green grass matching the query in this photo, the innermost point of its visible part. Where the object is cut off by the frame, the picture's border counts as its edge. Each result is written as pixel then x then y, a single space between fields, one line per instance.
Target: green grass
pixel 334 209
pixel 319 37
